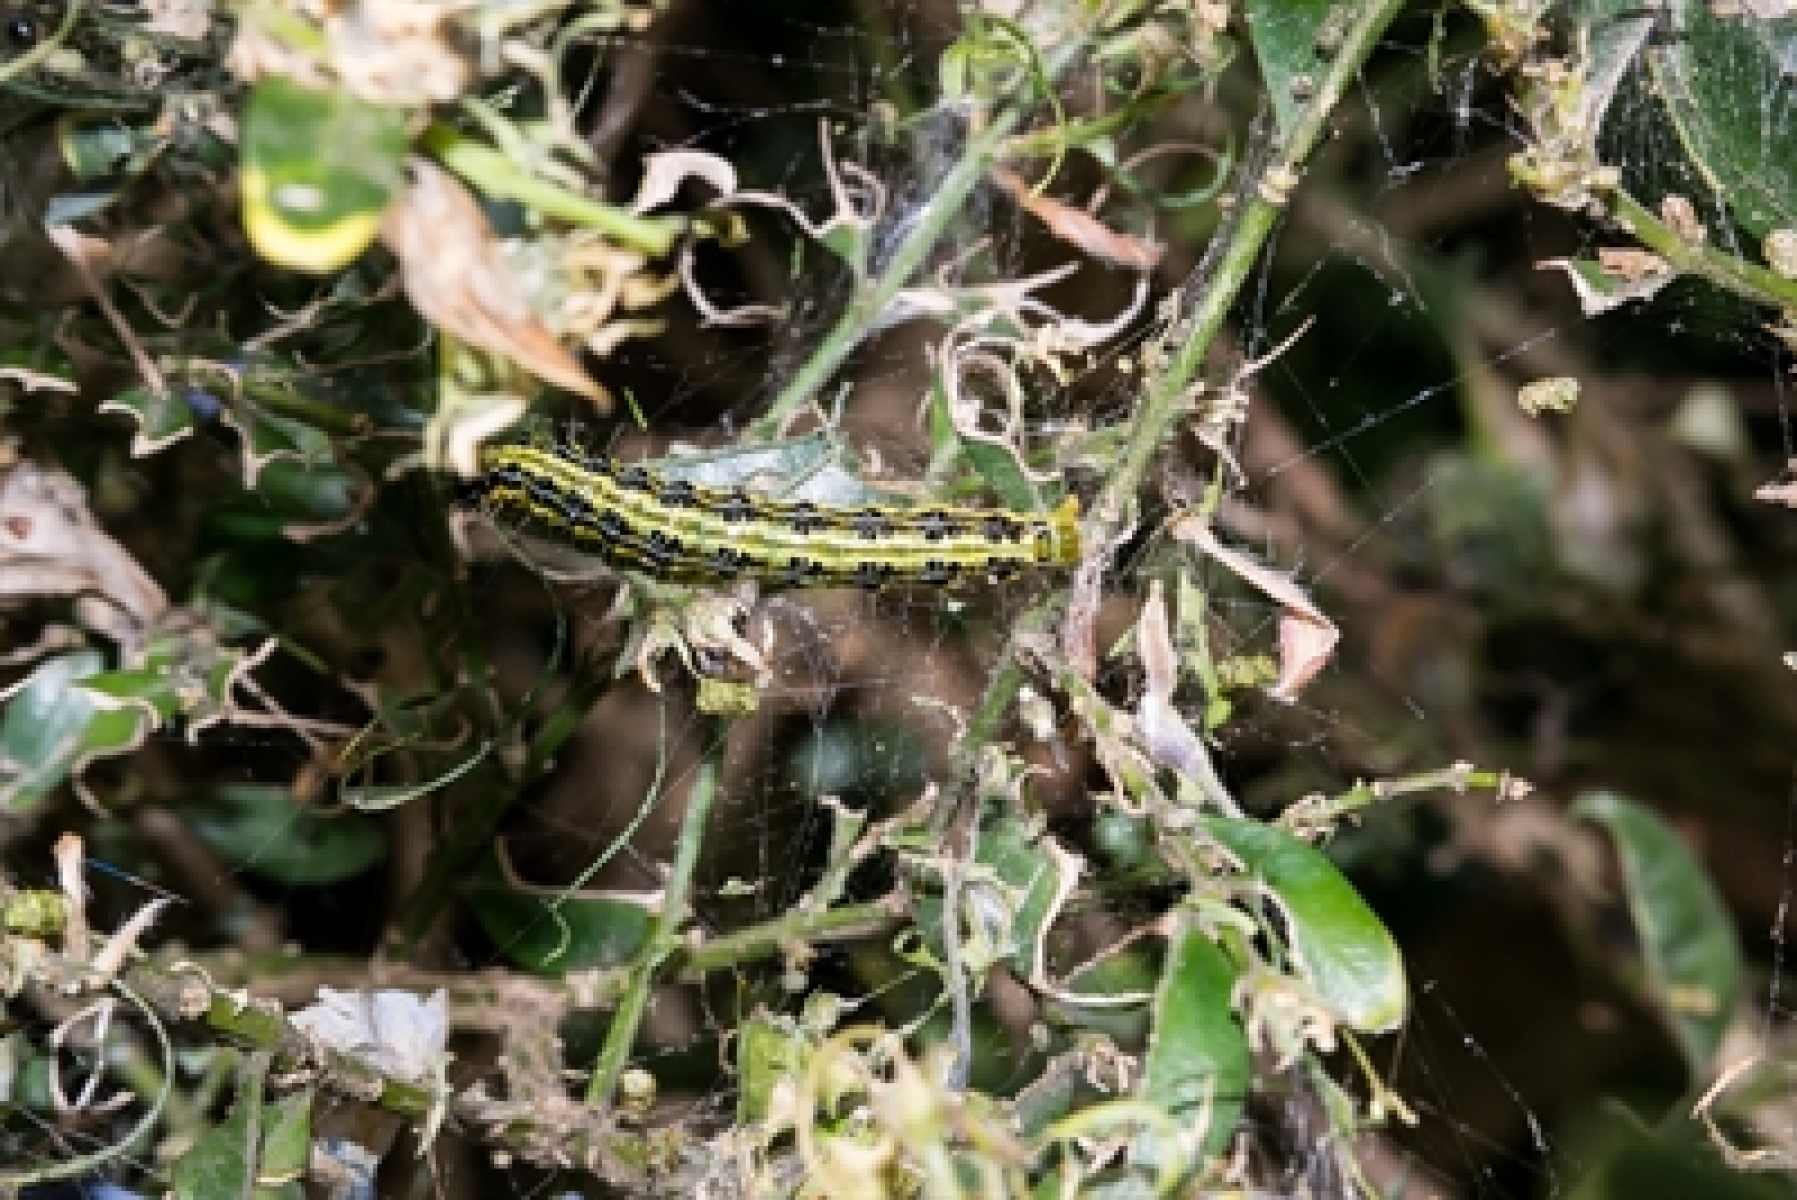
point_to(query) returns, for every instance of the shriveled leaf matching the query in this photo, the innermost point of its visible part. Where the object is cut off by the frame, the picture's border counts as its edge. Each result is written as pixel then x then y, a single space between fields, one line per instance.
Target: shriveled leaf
pixel 1010 898
pixel 396 1032
pixel 457 275
pixel 1601 287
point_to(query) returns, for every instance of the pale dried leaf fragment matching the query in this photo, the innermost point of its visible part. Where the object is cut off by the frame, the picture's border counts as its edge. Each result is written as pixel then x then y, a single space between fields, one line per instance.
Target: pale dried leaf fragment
pixel 399 1034
pixel 456 274
pixel 1681 217
pixel 33 381
pixel 1558 394
pixel 703 633
pixel 663 174
pixel 1166 736
pixel 1760 1158
pixel 1077 227
pixel 1618 276
pixel 50 545
pixel 454 438
pixel 1780 252
pixel 1783 492
pixel 1307 637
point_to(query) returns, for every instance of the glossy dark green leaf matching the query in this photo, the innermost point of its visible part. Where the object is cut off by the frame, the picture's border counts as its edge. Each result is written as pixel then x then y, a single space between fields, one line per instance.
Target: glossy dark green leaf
pixel 288 494
pixel 1336 940
pixel 554 931
pixel 1726 86
pixel 258 828
pixel 1688 941
pixel 53 726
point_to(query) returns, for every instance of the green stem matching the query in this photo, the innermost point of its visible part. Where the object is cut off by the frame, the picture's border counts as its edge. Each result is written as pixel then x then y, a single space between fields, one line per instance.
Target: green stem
pixel 1206 297
pixel 1726 271
pixel 793 929
pixel 876 295
pixel 1201 304
pixel 497 176
pixel 664 935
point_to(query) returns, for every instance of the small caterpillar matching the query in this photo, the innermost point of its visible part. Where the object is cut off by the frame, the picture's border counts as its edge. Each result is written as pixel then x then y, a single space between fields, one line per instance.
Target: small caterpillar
pixel 637 518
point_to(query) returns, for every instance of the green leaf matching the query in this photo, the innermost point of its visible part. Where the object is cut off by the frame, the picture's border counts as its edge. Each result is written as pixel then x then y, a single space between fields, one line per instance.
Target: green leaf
pixel 103 150
pixel 221 1164
pixel 54 726
pixel 1132 971
pixel 286 1140
pixel 1688 941
pixel 996 461
pixel 553 930
pixel 1338 943
pixel 1289 37
pixel 257 826
pixel 770 1050
pixel 1007 908
pixel 319 168
pixel 1198 1066
pixel 1725 84
pixel 163 418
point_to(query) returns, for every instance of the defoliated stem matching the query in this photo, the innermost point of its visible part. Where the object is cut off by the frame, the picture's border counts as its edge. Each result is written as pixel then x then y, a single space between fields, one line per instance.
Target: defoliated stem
pixel 664 933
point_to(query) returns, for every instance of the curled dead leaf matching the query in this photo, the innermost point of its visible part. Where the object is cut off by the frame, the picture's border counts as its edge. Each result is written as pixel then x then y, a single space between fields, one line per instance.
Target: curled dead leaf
pixel 456 275
pixel 51 545
pixel 1307 637
pixel 1077 227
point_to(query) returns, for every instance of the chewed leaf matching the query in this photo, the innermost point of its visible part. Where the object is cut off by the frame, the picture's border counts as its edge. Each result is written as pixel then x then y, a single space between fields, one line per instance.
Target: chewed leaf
pixel 52 727
pixel 1337 942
